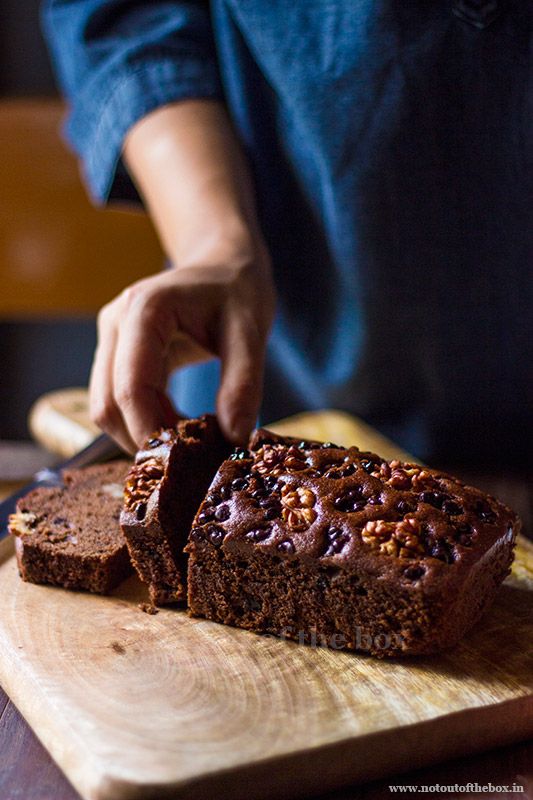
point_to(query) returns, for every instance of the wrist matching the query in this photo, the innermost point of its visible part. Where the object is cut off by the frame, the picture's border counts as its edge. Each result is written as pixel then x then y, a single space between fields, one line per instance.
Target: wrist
pixel 206 240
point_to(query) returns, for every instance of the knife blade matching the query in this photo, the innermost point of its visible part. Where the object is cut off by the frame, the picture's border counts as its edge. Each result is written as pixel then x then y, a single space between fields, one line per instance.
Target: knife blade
pixel 103 448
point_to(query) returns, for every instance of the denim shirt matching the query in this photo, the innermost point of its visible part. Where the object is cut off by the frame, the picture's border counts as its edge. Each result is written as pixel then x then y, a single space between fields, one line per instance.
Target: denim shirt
pixel 391 147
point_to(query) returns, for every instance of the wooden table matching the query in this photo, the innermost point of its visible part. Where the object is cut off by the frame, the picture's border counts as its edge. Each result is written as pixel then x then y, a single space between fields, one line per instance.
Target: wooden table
pixel 28 773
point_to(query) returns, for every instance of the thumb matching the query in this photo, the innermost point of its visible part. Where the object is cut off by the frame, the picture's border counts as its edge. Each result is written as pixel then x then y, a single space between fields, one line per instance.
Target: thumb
pixel 242 353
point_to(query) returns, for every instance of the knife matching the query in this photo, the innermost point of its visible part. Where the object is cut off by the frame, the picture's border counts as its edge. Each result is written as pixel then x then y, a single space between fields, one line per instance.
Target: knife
pixel 103 448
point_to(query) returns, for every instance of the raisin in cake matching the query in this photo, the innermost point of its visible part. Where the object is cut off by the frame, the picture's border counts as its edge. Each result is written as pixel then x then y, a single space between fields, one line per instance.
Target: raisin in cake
pixel 163 491
pixel 70 535
pixel 335 546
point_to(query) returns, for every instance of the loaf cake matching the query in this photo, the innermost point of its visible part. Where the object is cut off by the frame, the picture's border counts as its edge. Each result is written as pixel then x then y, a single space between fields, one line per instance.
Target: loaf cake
pixel 339 547
pixel 164 488
pixel 70 535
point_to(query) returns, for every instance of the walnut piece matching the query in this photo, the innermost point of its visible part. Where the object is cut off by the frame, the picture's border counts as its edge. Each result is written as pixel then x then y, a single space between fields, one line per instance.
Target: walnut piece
pixel 383 471
pixel 402 475
pixel 21 523
pixel 294 460
pixel 141 482
pixel 424 480
pixel 400 539
pixel 273 459
pixel 268 460
pixel 297 507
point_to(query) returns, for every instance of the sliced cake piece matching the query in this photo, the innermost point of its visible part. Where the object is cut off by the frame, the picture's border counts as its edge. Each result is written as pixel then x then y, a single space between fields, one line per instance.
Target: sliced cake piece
pixel 70 535
pixel 163 491
pixel 339 547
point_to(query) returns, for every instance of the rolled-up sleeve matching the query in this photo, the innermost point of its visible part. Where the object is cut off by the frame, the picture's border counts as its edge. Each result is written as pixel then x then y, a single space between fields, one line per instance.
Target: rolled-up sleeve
pixel 117 60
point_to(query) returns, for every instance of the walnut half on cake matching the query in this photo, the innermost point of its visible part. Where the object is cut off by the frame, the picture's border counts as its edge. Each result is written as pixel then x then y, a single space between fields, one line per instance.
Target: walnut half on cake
pixel 339 547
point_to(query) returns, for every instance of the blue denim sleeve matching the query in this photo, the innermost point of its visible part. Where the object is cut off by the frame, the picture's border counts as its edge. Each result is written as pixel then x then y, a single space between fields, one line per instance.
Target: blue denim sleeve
pixel 116 61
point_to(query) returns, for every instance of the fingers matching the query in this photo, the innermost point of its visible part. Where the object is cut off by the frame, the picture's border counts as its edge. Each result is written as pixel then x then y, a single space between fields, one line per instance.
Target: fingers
pixel 242 352
pixel 127 397
pixel 103 407
pixel 140 367
pixel 174 319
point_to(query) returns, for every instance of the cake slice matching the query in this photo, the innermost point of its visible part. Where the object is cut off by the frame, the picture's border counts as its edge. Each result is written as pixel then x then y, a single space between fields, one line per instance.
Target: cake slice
pixel 339 547
pixel 70 535
pixel 163 491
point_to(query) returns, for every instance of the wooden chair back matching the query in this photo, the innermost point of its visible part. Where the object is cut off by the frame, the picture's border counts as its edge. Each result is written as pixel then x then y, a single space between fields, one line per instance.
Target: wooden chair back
pixel 59 255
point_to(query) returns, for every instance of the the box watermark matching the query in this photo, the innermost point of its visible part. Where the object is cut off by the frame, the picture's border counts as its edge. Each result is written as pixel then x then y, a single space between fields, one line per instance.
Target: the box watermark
pixel 360 640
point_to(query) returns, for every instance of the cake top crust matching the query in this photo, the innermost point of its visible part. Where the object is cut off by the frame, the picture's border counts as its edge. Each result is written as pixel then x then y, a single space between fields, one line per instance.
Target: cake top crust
pixel 159 456
pixel 342 507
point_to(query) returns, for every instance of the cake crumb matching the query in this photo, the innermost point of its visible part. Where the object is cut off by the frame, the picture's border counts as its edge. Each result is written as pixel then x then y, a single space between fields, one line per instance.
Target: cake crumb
pixel 148 608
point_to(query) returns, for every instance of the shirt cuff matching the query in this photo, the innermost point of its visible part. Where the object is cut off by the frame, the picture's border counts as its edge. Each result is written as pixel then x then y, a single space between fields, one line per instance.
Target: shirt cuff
pixel 98 122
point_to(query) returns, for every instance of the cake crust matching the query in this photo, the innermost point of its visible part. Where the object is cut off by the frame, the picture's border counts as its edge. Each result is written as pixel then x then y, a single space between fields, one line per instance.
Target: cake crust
pixel 311 540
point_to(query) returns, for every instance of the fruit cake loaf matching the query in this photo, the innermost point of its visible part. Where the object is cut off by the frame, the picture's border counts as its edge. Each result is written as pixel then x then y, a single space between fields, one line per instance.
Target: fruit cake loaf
pixel 70 535
pixel 339 547
pixel 163 491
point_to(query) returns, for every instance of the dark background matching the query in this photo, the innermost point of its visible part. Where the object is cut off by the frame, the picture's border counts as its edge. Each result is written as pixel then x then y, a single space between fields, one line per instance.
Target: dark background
pixel 24 66
pixel 36 356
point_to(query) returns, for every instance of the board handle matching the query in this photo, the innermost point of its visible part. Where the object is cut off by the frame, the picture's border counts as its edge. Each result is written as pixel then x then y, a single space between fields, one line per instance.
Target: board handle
pixel 60 421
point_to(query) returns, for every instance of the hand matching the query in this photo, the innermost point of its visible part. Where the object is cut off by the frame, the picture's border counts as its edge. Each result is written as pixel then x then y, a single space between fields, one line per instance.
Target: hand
pixel 222 306
pixel 218 300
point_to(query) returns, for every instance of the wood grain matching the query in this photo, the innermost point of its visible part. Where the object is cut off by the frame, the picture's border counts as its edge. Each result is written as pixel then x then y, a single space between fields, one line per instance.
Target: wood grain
pixel 28 772
pixel 132 705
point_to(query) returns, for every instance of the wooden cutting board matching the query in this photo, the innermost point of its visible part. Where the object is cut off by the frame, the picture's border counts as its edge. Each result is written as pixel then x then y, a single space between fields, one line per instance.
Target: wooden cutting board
pixel 138 706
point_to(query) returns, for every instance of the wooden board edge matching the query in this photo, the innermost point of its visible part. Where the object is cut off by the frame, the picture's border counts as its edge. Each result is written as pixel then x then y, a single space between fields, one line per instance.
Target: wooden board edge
pixel 50 726
pixel 288 777
pixel 60 421
pixel 346 762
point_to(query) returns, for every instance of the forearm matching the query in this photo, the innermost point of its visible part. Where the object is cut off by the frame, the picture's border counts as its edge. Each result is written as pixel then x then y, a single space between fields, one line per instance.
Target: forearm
pixel 218 302
pixel 189 168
